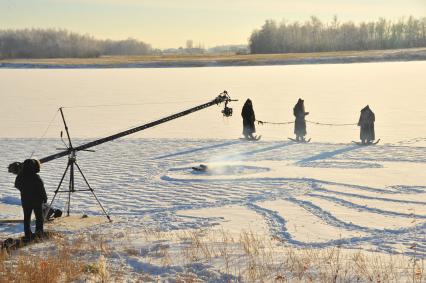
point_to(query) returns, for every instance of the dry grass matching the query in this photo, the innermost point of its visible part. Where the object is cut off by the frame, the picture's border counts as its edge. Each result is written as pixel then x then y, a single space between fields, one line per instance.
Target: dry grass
pixel 60 265
pixel 254 258
pixel 63 260
pixel 248 258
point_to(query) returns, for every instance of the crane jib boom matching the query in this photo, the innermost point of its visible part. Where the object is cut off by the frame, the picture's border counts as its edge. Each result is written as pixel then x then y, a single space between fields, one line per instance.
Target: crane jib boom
pixel 223 97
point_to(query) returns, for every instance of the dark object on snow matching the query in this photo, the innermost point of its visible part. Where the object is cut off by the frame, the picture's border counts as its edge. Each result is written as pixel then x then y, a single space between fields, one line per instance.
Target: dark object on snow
pixel 366 144
pixel 254 138
pixel 300 141
pixel 366 122
pixel 50 213
pixel 248 120
pixel 300 123
pixel 16 243
pixel 33 195
pixel 201 168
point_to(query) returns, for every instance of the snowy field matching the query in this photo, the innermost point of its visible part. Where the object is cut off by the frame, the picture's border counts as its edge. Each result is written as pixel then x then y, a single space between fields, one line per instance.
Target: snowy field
pixel 317 196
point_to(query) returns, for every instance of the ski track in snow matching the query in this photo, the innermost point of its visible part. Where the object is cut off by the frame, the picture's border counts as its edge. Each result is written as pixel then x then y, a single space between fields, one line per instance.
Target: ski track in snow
pixel 145 182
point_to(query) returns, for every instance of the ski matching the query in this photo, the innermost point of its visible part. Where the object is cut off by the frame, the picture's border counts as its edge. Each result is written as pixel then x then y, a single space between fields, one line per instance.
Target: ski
pixel 294 140
pixel 256 138
pixel 366 144
pixel 200 168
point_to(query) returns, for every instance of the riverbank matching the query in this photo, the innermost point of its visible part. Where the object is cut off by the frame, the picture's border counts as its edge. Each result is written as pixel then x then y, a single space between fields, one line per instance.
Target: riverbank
pixel 221 60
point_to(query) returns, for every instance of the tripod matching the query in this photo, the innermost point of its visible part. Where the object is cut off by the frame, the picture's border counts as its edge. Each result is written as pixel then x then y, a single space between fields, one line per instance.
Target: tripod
pixel 72 164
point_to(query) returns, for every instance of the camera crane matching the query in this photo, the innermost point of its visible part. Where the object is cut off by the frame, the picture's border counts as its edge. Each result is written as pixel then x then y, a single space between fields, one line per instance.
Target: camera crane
pixel 71 151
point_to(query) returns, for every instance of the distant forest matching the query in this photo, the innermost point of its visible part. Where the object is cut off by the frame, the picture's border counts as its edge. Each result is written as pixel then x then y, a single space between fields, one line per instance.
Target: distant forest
pixel 50 43
pixel 316 36
pixel 310 36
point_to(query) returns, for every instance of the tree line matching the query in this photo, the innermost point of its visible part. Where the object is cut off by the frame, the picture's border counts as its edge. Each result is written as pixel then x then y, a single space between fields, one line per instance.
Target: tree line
pixel 51 43
pixel 316 36
pixel 310 36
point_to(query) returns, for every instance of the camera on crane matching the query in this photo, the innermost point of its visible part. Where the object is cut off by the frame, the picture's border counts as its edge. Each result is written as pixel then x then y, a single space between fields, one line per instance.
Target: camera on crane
pixel 227 111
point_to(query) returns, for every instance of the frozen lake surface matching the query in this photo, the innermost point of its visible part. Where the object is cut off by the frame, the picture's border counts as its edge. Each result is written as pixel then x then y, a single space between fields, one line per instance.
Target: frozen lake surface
pixel 332 93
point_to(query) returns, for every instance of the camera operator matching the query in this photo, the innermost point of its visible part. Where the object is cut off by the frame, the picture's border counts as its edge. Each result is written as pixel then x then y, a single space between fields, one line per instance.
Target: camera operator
pixel 33 195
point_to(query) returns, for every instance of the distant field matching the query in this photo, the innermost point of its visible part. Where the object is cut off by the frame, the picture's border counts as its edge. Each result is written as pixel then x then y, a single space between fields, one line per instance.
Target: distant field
pixel 205 60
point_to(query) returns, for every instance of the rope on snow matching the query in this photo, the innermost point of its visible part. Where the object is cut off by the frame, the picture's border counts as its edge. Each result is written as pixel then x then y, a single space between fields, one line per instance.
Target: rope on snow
pixel 273 123
pixel 311 122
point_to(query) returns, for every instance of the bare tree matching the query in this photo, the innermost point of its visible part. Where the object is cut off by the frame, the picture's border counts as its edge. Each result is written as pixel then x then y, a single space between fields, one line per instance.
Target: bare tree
pixel 51 43
pixel 313 35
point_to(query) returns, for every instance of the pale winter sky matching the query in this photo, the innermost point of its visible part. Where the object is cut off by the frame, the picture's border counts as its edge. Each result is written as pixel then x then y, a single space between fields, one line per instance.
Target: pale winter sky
pixel 169 23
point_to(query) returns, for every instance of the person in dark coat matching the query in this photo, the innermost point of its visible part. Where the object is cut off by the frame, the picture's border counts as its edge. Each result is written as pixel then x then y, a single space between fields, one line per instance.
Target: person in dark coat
pixel 248 120
pixel 33 195
pixel 366 122
pixel 300 123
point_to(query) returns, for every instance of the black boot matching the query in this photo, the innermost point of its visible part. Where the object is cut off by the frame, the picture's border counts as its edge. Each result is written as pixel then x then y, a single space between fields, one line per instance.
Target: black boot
pixel 29 237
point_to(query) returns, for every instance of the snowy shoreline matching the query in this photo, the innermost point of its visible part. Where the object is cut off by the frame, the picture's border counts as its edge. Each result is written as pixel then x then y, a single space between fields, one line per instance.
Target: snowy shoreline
pixel 220 61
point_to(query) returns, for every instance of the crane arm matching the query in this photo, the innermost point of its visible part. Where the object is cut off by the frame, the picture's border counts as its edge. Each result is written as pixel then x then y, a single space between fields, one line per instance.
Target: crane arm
pixel 223 97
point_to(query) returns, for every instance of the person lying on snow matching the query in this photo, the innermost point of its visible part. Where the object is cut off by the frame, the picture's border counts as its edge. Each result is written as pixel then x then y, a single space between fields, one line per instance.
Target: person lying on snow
pixel 366 122
pixel 33 195
pixel 300 123
pixel 248 120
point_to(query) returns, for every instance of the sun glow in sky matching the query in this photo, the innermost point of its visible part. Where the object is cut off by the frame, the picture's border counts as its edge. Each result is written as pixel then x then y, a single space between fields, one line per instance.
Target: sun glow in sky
pixel 169 23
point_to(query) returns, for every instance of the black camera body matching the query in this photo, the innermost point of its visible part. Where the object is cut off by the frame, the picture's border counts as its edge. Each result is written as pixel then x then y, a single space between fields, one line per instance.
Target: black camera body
pixel 227 111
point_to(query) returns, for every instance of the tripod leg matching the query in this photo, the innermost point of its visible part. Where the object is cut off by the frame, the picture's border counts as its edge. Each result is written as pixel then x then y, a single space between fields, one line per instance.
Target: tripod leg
pixel 57 189
pixel 93 192
pixel 71 186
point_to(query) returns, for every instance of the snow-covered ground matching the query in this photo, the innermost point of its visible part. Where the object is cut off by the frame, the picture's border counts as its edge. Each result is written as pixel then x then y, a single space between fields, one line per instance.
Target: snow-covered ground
pixel 315 195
